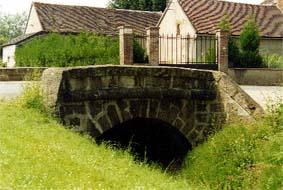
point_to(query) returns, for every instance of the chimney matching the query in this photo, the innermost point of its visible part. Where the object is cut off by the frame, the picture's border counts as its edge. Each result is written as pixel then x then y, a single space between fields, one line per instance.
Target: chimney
pixel 279 4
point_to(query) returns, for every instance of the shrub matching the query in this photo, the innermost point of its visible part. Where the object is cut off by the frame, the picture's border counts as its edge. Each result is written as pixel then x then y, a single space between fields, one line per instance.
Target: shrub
pixel 2 64
pixel 273 61
pixel 139 53
pixel 250 59
pixel 32 98
pixel 233 52
pixel 249 45
pixel 68 50
pixel 210 56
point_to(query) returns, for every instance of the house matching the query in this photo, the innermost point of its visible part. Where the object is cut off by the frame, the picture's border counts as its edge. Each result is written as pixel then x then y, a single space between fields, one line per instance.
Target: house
pixel 200 18
pixel 46 18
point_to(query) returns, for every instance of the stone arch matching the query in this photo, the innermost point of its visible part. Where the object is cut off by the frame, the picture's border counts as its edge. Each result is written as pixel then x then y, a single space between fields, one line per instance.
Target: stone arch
pixel 105 114
pixel 150 140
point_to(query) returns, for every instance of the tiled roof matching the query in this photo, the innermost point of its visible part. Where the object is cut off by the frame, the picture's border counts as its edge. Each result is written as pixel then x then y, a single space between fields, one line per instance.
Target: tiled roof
pixel 206 14
pixel 21 39
pixel 67 18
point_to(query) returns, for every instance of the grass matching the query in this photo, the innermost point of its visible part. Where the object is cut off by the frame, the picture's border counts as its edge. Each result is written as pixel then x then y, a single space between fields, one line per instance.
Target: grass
pixel 242 156
pixel 36 152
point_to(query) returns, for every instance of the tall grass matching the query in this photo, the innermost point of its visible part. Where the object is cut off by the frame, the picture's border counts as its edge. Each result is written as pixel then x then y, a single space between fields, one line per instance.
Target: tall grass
pixel 39 153
pixel 241 156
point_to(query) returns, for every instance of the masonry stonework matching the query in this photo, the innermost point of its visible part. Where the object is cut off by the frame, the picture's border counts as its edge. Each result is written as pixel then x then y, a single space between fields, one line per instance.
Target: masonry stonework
pixel 222 50
pixel 95 99
pixel 126 45
pixel 153 45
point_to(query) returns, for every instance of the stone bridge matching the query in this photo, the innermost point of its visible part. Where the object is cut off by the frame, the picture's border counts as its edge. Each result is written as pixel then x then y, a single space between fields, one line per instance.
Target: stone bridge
pixel 195 102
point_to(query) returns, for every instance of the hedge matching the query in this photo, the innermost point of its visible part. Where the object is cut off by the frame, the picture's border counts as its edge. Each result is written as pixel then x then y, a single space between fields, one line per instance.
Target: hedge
pixel 57 50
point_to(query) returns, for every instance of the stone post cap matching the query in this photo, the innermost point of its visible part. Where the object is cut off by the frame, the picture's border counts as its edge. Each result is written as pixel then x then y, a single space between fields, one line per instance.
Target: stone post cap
pixel 125 29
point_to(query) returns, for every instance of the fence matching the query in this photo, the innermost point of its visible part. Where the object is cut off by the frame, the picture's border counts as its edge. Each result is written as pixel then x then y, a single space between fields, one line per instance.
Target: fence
pixel 176 50
pixel 187 50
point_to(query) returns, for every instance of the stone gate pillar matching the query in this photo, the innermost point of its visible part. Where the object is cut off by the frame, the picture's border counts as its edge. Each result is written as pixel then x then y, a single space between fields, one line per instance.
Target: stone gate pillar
pixel 222 37
pixel 153 45
pixel 126 45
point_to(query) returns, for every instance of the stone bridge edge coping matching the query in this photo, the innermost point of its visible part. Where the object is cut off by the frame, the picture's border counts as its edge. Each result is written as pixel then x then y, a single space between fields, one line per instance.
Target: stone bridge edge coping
pixel 225 83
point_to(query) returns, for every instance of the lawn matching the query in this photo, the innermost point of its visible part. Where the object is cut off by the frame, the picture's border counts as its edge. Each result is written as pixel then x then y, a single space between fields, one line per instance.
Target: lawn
pixel 38 153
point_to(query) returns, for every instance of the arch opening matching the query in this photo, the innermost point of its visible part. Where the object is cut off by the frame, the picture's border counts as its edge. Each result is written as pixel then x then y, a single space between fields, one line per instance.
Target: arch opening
pixel 151 141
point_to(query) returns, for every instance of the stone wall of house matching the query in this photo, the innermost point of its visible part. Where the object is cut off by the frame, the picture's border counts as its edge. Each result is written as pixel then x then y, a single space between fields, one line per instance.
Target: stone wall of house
pixel 95 99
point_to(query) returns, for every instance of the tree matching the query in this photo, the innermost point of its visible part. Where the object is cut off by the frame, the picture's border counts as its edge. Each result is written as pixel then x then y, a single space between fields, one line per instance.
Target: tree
pixel 146 5
pixel 11 26
pixel 249 45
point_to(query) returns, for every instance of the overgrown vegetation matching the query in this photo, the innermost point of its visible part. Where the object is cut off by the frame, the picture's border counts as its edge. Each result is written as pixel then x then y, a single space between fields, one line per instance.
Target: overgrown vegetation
pixel 56 50
pixel 38 153
pixel 242 156
pixel 210 56
pixel 273 61
pixel 140 55
pixel 2 64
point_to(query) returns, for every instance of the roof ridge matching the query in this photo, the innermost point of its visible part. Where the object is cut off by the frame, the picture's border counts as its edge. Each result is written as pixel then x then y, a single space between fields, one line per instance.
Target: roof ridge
pixel 260 5
pixel 104 8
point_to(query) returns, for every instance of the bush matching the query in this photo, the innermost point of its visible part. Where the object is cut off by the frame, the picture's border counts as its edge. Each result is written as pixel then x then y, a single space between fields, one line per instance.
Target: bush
pixel 2 64
pixel 68 50
pixel 250 59
pixel 210 56
pixel 273 61
pixel 233 52
pixel 249 46
pixel 139 53
pixel 32 98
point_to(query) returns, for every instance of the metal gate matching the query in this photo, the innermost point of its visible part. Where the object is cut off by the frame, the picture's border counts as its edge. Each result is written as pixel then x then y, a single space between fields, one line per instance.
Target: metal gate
pixel 187 50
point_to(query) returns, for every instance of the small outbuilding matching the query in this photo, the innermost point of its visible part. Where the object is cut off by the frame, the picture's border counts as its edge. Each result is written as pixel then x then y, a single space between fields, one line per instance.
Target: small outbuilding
pixel 45 18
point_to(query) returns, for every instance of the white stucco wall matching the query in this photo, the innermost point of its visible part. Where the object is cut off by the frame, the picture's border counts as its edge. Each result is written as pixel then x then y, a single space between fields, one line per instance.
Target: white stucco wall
pixel 174 16
pixel 9 55
pixel 180 50
pixel 33 24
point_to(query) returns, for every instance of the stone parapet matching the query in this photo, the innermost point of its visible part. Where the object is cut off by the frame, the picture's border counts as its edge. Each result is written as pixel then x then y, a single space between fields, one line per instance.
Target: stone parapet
pixel 95 99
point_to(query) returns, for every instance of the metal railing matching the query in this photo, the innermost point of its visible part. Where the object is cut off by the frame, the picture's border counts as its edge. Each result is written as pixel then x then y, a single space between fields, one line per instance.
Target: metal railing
pixel 187 50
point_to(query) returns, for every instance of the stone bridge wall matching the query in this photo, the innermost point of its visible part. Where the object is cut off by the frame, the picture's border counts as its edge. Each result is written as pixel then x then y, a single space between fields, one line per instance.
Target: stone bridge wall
pixel 94 99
